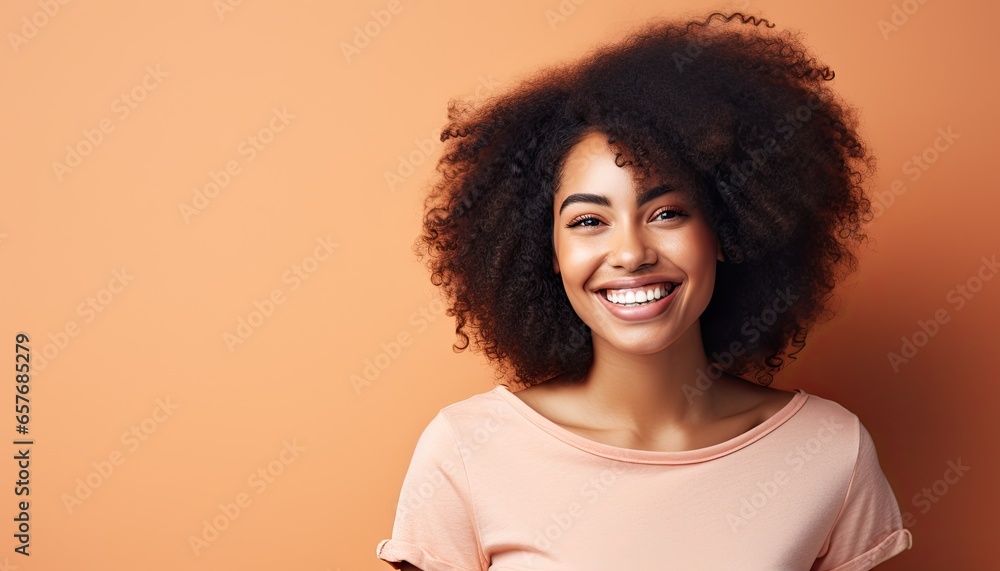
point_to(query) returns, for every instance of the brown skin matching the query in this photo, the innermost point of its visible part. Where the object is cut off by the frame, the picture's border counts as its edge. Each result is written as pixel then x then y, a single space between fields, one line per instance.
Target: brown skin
pixel 742 406
pixel 637 391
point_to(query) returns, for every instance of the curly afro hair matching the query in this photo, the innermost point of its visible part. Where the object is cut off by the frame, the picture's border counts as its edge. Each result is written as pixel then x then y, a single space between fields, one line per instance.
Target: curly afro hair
pixel 778 163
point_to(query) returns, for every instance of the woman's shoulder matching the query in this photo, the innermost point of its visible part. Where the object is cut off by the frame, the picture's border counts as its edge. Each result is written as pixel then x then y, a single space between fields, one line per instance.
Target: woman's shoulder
pixel 768 401
pixel 750 398
pixel 472 411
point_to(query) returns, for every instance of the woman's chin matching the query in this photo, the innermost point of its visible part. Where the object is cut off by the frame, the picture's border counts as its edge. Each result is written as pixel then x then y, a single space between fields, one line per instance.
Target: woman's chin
pixel 643 344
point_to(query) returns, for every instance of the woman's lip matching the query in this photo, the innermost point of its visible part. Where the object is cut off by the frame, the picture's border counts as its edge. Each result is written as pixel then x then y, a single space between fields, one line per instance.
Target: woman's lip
pixel 639 312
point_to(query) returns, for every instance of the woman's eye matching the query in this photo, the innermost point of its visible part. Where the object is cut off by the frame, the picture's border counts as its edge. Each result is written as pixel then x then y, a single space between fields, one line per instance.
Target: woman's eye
pixel 677 212
pixel 580 221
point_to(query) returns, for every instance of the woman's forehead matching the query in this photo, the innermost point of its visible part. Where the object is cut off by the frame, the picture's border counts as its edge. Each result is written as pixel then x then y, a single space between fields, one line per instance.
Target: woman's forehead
pixel 603 177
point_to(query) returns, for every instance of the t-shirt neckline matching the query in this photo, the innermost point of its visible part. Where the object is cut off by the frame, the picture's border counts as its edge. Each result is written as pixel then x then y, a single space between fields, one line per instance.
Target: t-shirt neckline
pixel 653 456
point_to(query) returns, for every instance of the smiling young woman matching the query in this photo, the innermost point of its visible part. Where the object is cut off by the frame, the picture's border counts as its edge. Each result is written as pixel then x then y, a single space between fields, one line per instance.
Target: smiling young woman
pixel 627 236
pixel 639 270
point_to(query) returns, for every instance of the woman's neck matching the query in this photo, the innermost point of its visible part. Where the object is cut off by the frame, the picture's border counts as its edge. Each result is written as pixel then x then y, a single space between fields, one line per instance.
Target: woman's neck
pixel 650 393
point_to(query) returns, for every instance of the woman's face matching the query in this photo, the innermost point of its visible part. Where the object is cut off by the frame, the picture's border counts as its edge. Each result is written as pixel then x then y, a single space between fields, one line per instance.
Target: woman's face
pixel 604 239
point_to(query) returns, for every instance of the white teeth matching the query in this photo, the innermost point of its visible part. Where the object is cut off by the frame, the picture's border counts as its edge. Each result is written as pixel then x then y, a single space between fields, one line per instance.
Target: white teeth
pixel 632 298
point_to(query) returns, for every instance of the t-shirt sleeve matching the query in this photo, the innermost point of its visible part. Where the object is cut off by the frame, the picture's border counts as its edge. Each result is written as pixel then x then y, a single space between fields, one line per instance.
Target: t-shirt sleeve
pixel 435 526
pixel 869 528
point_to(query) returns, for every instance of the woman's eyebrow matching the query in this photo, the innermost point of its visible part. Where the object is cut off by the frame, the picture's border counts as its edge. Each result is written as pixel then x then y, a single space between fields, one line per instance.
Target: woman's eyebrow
pixel 643 198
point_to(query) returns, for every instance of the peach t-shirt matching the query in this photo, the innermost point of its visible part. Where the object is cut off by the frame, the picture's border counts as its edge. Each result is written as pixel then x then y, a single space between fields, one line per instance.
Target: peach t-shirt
pixel 495 485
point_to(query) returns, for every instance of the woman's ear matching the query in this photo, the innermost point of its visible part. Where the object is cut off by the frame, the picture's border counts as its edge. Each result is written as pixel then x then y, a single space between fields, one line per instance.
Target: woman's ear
pixel 555 265
pixel 721 257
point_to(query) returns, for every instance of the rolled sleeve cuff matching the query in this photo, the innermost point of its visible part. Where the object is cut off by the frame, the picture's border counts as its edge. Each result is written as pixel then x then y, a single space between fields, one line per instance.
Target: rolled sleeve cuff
pixel 894 544
pixel 394 552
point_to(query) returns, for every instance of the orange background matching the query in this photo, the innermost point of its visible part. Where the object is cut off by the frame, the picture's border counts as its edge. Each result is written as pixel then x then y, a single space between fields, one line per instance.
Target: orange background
pixel 171 95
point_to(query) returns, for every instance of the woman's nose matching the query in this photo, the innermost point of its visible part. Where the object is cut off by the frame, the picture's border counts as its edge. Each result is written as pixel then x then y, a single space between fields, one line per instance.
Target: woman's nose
pixel 630 250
